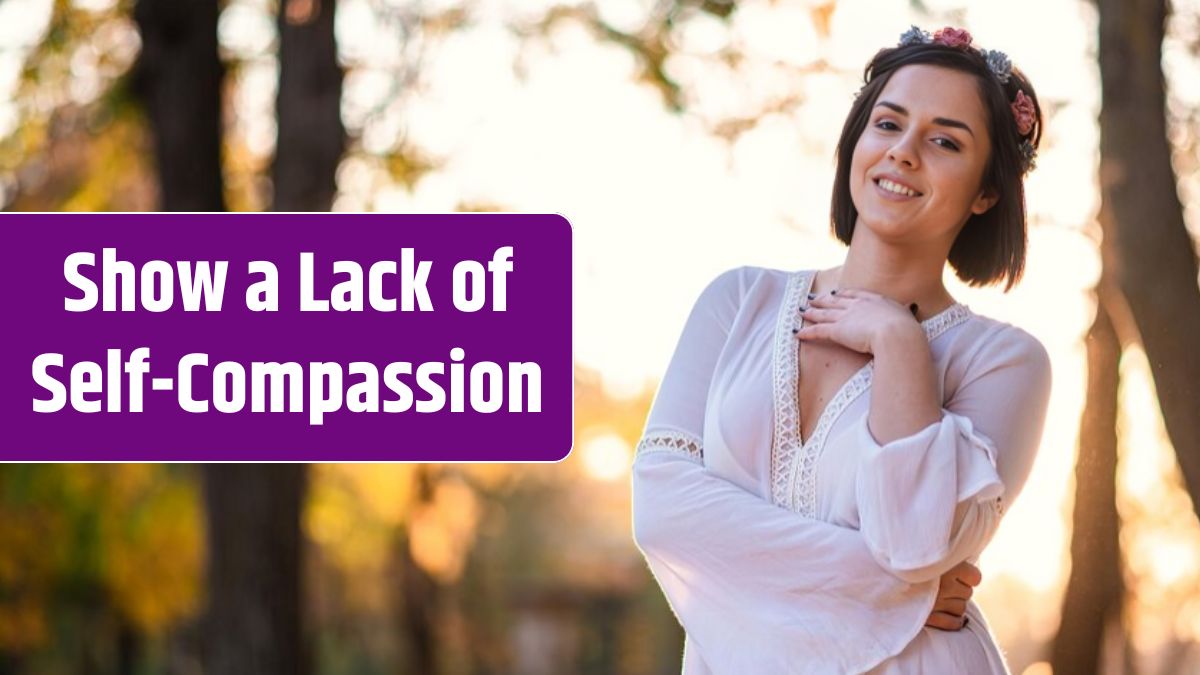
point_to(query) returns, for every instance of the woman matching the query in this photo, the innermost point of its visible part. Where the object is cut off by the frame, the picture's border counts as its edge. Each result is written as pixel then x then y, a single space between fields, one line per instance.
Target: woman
pixel 828 447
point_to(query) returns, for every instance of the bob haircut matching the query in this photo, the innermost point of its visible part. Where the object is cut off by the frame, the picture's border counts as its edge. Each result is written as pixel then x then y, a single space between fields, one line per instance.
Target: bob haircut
pixel 991 246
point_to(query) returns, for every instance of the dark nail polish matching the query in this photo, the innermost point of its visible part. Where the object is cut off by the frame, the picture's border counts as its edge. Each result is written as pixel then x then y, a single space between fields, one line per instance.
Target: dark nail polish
pixel 795 330
pixel 833 292
pixel 801 310
pixel 811 296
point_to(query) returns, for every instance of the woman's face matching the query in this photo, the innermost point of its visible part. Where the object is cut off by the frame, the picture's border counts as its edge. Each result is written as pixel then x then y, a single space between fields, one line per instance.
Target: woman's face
pixel 918 166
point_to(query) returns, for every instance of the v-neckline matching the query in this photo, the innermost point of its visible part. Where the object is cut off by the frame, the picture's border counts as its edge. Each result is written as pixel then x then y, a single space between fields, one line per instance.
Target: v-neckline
pixel 841 391
pixel 793 459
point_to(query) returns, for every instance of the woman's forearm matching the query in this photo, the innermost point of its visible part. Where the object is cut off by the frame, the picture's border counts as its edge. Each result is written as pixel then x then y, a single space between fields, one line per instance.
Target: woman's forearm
pixel 904 393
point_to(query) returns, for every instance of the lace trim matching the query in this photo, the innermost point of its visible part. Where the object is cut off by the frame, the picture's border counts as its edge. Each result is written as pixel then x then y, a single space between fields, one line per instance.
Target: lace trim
pixel 784 444
pixel 946 319
pixel 803 479
pixel 671 441
pixel 793 464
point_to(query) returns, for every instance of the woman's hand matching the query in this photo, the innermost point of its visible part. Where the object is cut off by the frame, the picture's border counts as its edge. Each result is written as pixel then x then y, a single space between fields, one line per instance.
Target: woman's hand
pixel 854 318
pixel 954 591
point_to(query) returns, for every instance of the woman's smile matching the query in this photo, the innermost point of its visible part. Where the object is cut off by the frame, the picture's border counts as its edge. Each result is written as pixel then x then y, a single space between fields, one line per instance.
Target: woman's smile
pixel 894 190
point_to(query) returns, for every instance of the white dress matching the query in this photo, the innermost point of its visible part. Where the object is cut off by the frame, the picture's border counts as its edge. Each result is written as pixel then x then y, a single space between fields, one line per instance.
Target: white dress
pixel 824 557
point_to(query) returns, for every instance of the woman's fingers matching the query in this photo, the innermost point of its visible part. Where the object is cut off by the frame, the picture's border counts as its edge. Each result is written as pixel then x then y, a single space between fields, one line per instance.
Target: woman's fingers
pixel 819 314
pixel 953 606
pixel 965 573
pixel 953 587
pixel 946 622
pixel 826 300
pixel 968 573
pixel 814 332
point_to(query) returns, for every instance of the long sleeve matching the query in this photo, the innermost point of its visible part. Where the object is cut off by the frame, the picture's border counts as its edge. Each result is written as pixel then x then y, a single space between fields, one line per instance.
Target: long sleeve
pixel 932 499
pixel 757 588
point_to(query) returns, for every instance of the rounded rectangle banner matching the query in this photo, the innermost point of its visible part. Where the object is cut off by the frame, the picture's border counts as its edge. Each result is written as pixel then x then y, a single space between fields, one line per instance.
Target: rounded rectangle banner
pixel 287 337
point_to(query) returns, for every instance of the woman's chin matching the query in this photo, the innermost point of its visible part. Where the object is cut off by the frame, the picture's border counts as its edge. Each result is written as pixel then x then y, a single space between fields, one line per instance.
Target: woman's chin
pixel 887 226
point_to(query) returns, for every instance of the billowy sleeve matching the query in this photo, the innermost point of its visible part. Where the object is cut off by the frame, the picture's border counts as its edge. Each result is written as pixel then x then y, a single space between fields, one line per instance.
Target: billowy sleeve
pixel 756 587
pixel 932 499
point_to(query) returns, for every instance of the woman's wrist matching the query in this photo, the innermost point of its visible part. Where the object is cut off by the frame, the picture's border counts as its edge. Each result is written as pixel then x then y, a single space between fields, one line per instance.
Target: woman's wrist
pixel 900 336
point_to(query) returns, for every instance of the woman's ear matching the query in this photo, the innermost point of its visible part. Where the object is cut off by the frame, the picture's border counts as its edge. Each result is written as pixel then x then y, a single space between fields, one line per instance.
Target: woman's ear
pixel 987 199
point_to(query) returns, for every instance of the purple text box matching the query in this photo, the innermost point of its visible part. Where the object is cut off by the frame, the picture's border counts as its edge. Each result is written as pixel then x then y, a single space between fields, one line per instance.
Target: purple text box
pixel 497 347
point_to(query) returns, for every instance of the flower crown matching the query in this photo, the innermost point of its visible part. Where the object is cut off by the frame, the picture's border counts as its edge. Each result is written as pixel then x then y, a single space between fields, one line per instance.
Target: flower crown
pixel 1023 110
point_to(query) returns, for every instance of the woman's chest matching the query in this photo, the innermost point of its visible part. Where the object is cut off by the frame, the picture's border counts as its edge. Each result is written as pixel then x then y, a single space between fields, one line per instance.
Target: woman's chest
pixel 768 394
pixel 779 422
pixel 823 369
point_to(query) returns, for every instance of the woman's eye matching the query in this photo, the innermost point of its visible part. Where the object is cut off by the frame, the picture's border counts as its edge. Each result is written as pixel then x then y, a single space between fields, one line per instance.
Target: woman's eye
pixel 886 125
pixel 946 143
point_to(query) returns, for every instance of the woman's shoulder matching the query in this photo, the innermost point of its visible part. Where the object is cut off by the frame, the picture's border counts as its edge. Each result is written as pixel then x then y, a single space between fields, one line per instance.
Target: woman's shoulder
pixel 738 282
pixel 739 289
pixel 990 341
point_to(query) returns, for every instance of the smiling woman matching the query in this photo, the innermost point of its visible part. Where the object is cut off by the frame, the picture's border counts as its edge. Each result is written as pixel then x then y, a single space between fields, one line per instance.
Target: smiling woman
pixel 964 123
pixel 830 450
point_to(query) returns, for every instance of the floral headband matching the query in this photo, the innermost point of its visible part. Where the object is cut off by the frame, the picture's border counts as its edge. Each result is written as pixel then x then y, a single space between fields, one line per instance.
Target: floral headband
pixel 1023 110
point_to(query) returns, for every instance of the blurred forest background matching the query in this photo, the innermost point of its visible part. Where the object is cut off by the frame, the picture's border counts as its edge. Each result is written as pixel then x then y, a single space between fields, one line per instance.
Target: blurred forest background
pixel 681 138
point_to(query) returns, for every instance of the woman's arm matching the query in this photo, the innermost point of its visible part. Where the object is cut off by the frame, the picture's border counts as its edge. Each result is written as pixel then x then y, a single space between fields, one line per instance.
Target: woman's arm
pixel 934 481
pixel 932 492
pixel 759 588
pixel 904 391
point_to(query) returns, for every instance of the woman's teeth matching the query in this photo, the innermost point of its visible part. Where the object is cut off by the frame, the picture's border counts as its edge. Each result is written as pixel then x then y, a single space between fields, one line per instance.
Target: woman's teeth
pixel 898 189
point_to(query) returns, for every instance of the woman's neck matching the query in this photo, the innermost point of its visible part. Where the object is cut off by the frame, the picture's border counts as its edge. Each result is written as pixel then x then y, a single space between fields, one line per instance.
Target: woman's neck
pixel 902 277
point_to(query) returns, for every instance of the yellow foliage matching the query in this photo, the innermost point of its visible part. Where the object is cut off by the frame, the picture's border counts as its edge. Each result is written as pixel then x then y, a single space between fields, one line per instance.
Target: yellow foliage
pixel 154 569
pixel 131 531
pixel 354 509
pixel 31 544
pixel 114 172
pixel 442 531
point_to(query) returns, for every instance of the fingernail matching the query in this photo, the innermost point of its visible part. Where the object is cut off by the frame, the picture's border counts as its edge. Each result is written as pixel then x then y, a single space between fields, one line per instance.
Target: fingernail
pixel 913 308
pixel 966 620
pixel 833 292
pixel 802 309
pixel 795 330
pixel 811 296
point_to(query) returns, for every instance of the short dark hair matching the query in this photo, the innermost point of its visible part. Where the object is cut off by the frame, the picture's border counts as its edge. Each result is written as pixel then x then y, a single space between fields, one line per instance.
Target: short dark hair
pixel 991 246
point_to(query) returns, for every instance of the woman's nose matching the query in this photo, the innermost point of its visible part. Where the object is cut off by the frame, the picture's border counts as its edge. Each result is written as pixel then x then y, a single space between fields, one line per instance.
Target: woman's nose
pixel 903 152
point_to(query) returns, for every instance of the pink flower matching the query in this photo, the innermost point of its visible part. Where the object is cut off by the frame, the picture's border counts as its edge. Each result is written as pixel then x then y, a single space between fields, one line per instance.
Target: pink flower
pixel 952 37
pixel 1024 113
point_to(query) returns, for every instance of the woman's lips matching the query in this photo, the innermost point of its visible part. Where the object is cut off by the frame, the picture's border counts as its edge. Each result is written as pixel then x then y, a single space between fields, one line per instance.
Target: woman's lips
pixel 894 196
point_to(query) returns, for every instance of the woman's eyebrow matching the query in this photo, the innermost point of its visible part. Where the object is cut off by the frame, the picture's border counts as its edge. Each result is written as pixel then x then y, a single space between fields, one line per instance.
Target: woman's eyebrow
pixel 943 121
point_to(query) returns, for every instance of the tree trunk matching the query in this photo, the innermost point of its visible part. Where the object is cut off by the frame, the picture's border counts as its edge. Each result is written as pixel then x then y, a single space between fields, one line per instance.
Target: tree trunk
pixel 254 616
pixel 178 77
pixel 129 649
pixel 255 510
pixel 254 577
pixel 311 136
pixel 420 592
pixel 1092 602
pixel 1151 255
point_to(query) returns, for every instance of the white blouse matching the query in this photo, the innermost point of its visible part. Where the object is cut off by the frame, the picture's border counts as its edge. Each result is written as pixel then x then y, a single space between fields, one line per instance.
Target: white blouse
pixel 823 556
